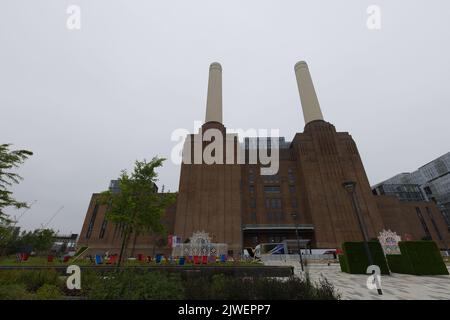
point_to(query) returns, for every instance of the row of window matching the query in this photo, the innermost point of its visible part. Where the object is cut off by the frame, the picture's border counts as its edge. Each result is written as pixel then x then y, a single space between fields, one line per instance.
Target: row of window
pixel 271 216
pixel 273 203
pixel 92 222
pixel 271 178
pixel 424 224
pixel 271 189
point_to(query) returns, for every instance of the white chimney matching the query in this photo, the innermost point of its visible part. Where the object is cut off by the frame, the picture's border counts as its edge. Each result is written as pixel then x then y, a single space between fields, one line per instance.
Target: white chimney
pixel 308 97
pixel 214 99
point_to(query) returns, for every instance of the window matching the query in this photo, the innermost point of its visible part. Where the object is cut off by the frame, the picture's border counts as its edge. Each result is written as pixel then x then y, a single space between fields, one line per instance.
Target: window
pixel 430 215
pixel 291 176
pixel 272 189
pixel 292 189
pixel 275 216
pixel 91 222
pixel 294 203
pixel 252 203
pixel 103 229
pixel 271 179
pixel 427 190
pixel 276 203
pixel 422 221
pixel 252 189
pixel 251 176
pixel 253 216
pixel 280 216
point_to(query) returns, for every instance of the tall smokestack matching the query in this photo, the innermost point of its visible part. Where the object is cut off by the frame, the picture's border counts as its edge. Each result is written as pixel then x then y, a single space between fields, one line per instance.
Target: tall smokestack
pixel 214 99
pixel 308 97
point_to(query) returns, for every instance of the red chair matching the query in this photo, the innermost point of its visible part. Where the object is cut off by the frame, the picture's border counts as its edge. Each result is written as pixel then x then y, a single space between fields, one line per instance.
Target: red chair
pixel 112 259
pixel 196 260
pixel 140 257
pixel 50 258
pixel 25 256
pixel 66 259
pixel 204 259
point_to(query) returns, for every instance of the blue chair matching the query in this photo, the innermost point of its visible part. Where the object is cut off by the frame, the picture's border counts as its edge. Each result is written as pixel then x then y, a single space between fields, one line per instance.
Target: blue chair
pixel 158 258
pixel 98 259
pixel 223 258
pixel 181 261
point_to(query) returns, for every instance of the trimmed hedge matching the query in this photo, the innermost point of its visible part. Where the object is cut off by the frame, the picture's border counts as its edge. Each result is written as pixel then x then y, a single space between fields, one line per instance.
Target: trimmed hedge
pixel 343 263
pixel 418 258
pixel 398 264
pixel 355 259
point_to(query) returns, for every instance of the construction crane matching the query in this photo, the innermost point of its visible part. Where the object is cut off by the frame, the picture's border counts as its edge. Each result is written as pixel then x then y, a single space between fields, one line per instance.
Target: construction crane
pixel 53 217
pixel 24 211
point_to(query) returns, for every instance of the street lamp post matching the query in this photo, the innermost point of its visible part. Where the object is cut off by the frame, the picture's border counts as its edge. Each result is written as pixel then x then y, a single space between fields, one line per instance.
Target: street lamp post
pixel 294 216
pixel 350 187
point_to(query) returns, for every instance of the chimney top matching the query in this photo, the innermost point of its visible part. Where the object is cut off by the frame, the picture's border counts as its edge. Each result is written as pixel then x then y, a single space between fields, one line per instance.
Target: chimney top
pixel 300 64
pixel 215 65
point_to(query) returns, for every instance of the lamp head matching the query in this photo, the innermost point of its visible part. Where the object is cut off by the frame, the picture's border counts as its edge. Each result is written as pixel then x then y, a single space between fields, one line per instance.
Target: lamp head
pixel 349 186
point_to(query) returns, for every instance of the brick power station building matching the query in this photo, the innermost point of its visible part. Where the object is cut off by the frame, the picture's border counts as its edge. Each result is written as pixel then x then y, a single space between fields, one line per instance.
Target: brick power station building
pixel 237 205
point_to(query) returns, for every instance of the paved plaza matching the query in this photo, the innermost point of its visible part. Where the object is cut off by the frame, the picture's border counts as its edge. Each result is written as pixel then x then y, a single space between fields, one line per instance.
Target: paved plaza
pixel 395 286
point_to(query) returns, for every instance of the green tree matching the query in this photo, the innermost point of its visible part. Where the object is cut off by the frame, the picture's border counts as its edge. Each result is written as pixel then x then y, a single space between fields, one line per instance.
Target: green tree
pixel 9 160
pixel 6 235
pixel 137 208
pixel 40 240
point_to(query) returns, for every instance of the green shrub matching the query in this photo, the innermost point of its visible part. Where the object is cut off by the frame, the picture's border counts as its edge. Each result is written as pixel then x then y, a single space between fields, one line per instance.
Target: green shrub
pixel 48 292
pixel 221 287
pixel 135 285
pixel 398 264
pixel 31 279
pixel 34 279
pixel 22 284
pixel 14 292
pixel 10 277
pixel 423 258
pixel 356 260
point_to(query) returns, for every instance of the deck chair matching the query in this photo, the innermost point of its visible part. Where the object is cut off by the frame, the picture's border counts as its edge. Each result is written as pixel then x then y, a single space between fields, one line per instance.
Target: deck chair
pixel 112 259
pixel 223 258
pixel 50 258
pixel 196 260
pixel 204 259
pixel 98 259
pixel 158 258
pixel 181 261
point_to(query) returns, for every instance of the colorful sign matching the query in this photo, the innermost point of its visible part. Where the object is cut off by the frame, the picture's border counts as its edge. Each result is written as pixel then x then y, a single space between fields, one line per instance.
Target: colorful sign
pixel 389 242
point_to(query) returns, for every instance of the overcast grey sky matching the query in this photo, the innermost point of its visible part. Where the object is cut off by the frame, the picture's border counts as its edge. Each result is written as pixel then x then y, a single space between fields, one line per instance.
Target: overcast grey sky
pixel 89 102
